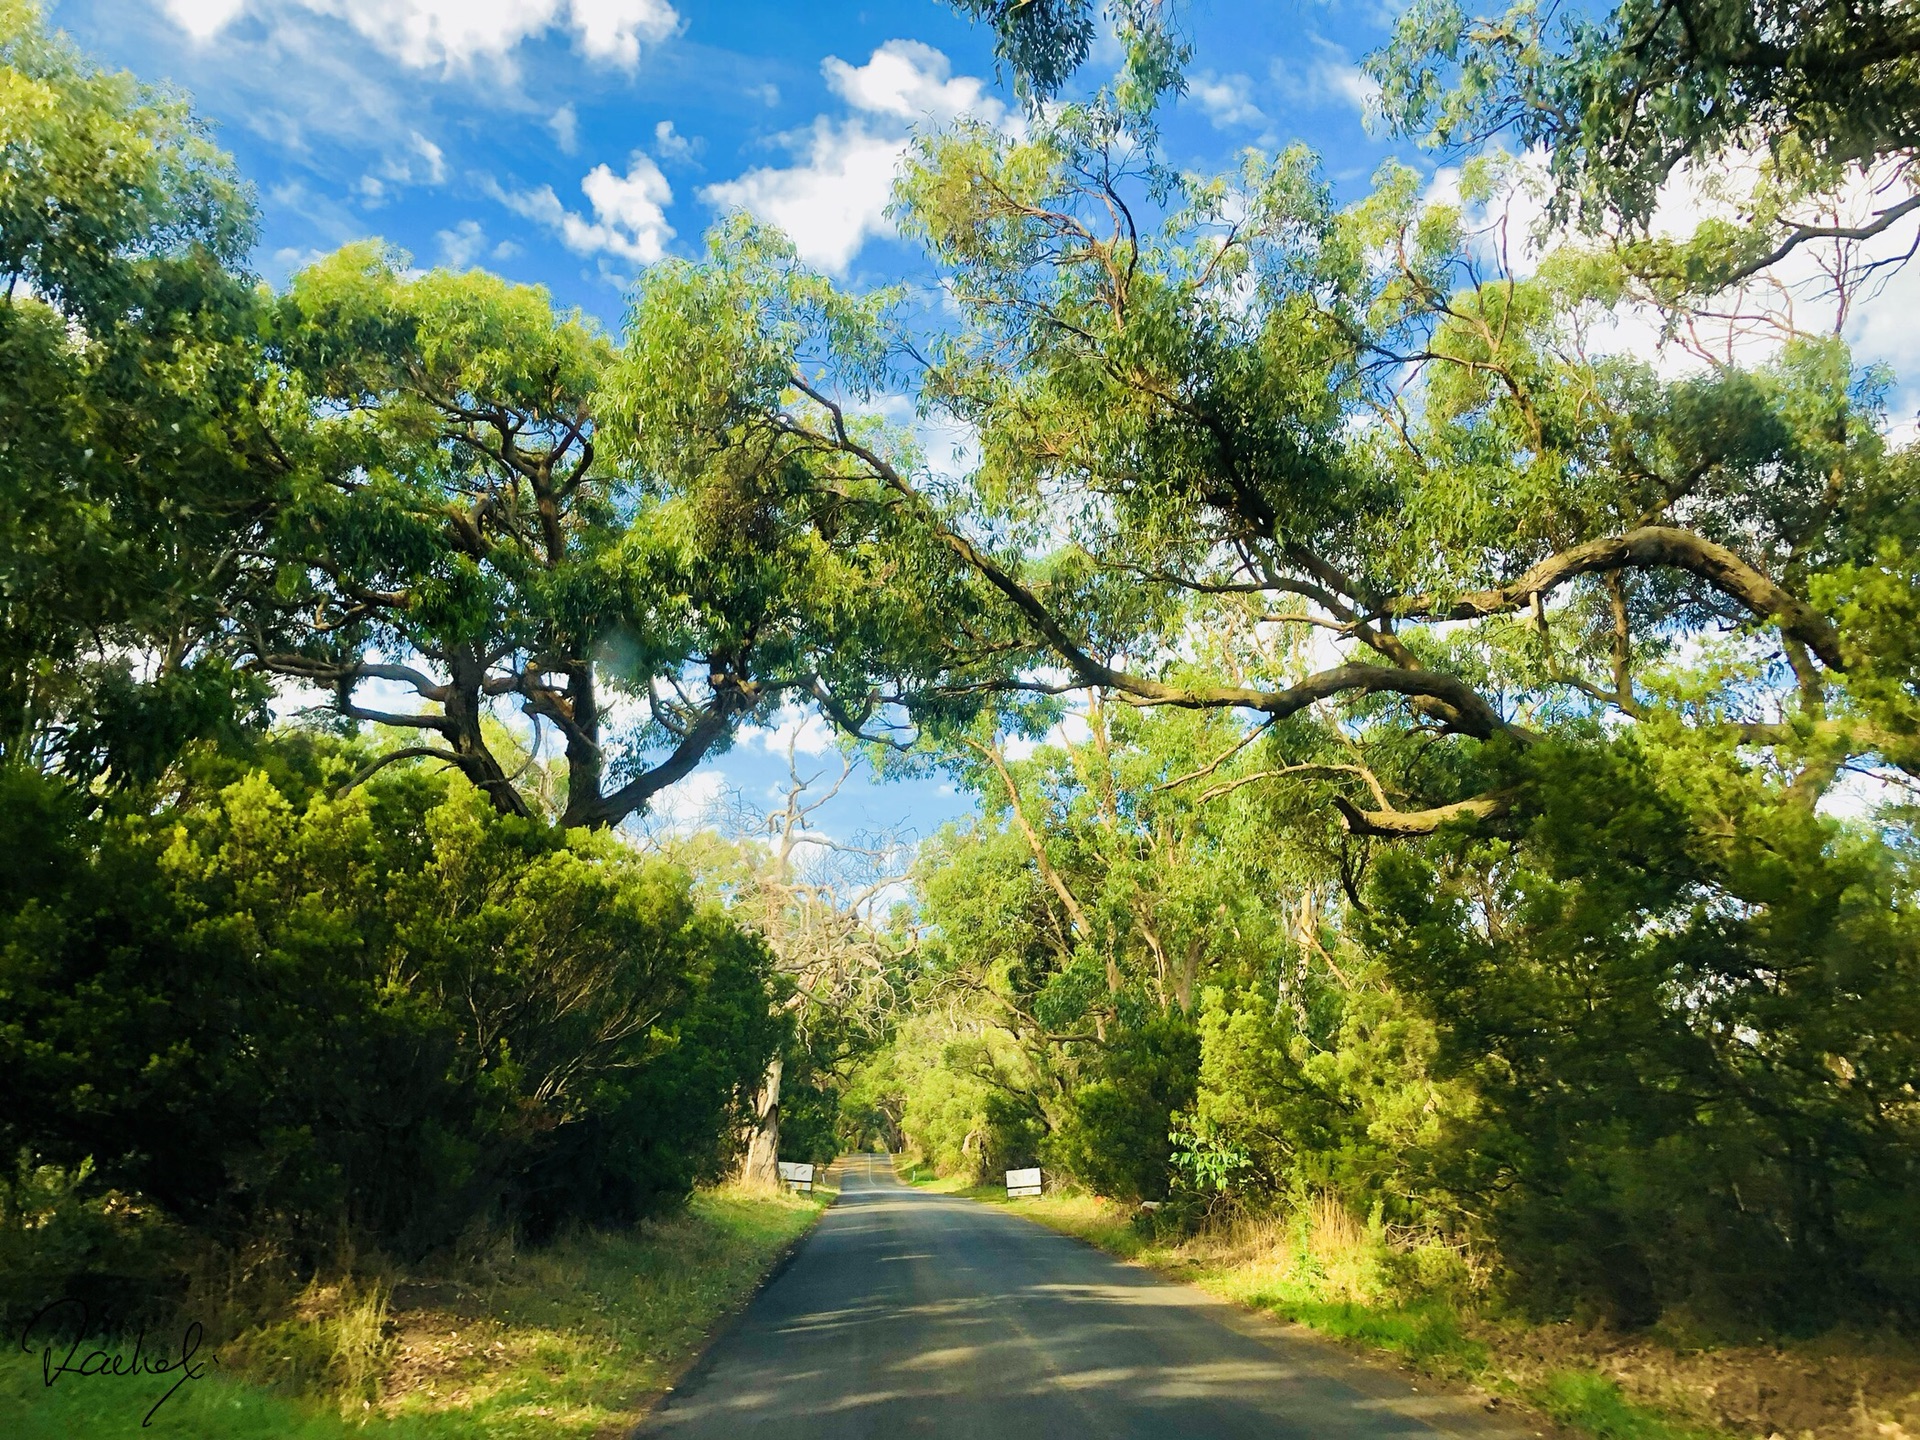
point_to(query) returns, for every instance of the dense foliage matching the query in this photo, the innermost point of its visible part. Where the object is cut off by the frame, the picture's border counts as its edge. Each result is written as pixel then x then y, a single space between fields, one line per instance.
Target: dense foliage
pixel 134 470
pixel 493 508
pixel 269 1009
pixel 1483 864
pixel 1622 98
pixel 297 993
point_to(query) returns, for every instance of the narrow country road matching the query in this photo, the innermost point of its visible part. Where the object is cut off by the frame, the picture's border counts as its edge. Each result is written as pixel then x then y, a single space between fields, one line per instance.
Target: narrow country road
pixel 906 1314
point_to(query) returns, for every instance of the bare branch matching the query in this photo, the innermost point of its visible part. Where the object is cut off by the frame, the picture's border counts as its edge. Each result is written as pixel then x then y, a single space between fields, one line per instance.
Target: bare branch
pixel 1228 787
pixel 1883 221
pixel 405 752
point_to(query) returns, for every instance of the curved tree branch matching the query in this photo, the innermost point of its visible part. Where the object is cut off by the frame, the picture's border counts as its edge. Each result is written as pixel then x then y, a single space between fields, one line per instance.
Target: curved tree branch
pixel 1407 824
pixel 405 752
pixel 1647 547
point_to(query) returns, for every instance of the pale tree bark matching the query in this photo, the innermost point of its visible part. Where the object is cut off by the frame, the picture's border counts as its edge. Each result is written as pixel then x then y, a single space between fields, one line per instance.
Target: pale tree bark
pixel 760 1165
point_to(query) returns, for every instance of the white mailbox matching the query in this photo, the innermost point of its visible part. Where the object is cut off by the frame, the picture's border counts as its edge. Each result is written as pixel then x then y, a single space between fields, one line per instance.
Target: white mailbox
pixel 797 1177
pixel 1023 1183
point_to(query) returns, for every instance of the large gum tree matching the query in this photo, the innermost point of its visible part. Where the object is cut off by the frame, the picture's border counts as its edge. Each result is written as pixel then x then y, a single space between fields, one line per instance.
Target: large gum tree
pixel 497 509
pixel 1342 470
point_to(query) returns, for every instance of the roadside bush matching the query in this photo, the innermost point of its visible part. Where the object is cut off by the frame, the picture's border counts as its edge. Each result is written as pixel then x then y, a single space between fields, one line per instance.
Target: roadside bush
pixel 1114 1137
pixel 391 1014
pixel 1692 1022
pixel 65 1237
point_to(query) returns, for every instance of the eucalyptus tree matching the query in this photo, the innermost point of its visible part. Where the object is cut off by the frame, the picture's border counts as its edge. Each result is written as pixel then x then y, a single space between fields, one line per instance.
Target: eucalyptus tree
pixel 498 507
pixel 138 468
pixel 1620 99
pixel 821 902
pixel 1385 481
pixel 1562 655
pixel 1787 132
pixel 1137 968
pixel 1043 43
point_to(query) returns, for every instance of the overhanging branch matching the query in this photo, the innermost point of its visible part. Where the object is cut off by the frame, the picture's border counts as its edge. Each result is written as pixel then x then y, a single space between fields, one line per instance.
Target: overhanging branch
pixel 1647 547
pixel 1408 824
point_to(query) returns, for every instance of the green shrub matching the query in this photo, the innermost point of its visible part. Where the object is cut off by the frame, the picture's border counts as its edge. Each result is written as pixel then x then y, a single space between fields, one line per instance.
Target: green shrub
pixel 1114 1137
pixel 64 1237
pixel 392 1013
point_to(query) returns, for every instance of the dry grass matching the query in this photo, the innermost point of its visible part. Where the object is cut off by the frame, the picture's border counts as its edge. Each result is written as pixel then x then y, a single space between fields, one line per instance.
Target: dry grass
pixel 1836 1387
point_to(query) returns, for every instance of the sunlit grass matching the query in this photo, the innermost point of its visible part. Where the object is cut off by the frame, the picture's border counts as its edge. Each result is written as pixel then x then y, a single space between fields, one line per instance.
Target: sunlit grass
pixel 569 1340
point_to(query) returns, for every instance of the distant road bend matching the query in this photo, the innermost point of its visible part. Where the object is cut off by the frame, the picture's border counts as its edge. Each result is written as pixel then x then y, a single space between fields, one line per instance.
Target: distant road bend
pixel 906 1314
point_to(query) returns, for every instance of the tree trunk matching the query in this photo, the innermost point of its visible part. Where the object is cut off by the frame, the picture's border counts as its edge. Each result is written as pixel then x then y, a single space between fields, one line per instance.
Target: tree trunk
pixel 760 1166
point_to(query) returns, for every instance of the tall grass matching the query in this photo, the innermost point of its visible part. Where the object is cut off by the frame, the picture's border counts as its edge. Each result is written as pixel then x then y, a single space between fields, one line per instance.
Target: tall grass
pixel 570 1339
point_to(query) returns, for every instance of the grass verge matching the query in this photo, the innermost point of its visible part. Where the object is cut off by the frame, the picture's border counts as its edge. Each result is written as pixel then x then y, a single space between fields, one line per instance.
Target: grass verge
pixel 574 1339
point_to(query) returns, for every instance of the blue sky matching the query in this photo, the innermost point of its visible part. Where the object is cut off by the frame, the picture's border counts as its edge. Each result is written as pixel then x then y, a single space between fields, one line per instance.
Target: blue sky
pixel 570 143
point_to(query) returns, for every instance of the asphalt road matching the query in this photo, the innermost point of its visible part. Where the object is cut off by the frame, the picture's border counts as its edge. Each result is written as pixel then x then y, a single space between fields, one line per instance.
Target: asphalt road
pixel 906 1314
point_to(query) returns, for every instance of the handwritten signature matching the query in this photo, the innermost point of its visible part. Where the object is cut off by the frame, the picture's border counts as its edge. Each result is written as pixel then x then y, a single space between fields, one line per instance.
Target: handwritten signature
pixel 60 1313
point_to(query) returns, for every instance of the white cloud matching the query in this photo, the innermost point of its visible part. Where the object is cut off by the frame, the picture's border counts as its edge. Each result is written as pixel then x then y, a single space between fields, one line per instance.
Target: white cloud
pixel 291 259
pixel 308 88
pixel 629 216
pixel 949 447
pixel 459 33
pixel 565 125
pixel 1323 77
pixel 632 206
pixel 836 199
pixel 669 144
pixel 611 30
pixel 805 730
pixel 1796 294
pixel 462 245
pixel 832 204
pixel 203 19
pixel 910 81
pixel 1227 99
pixel 1070 729
pixel 1351 84
pixel 686 806
pixel 1857 796
pixel 1506 224
pixel 421 164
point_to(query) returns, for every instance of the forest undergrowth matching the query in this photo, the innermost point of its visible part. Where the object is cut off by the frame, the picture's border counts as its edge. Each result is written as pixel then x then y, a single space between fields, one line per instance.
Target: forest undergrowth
pixel 1420 1302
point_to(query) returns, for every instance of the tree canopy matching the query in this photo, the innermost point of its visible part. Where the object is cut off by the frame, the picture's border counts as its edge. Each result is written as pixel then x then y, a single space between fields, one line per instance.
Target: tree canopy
pixel 495 506
pixel 136 476
pixel 1620 99
pixel 1295 460
pixel 1602 643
